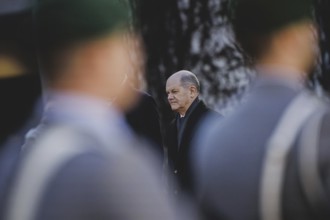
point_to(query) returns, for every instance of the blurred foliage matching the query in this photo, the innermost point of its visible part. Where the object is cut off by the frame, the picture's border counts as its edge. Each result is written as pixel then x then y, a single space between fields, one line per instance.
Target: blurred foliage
pixel 193 35
pixel 196 35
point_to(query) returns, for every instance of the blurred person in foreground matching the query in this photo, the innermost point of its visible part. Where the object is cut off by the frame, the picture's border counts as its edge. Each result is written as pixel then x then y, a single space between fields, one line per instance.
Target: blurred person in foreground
pixel 269 159
pixel 183 90
pixel 19 79
pixel 20 86
pixel 143 117
pixel 75 164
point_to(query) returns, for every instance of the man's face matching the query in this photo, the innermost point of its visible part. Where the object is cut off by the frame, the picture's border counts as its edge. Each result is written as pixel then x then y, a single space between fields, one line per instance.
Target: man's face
pixel 178 96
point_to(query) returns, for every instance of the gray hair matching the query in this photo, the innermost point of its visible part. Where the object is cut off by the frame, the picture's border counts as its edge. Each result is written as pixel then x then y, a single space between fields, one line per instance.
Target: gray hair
pixel 188 79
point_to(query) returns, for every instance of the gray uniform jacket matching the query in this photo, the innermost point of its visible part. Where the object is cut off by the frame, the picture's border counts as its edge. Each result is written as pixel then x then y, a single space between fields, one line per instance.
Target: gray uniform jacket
pixel 231 161
pixel 77 165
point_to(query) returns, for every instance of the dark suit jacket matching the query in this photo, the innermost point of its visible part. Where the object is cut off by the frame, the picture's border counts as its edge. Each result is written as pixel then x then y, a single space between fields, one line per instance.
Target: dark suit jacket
pixel 179 153
pixel 18 95
pixel 144 120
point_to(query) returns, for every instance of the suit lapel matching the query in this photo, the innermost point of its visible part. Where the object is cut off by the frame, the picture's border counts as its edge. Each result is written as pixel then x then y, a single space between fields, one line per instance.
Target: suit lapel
pixel 189 126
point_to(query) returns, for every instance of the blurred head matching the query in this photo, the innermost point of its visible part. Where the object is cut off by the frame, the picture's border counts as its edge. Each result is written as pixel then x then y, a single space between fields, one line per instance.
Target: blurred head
pixel 182 89
pixel 17 48
pixel 264 27
pixel 83 47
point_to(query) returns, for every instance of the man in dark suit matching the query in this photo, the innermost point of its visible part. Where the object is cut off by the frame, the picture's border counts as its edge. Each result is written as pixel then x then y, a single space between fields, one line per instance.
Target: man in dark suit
pixel 182 90
pixel 75 164
pixel 253 165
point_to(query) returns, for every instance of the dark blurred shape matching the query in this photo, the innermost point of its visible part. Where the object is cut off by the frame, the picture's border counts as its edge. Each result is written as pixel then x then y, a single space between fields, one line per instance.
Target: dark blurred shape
pixel 259 16
pixel 19 95
pixel 13 7
pixel 254 20
pixel 20 86
pixel 144 120
pixel 19 79
pixel 67 28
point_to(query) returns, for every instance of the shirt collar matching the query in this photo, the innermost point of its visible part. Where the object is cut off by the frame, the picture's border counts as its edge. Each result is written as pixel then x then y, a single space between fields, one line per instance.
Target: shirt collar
pixel 191 108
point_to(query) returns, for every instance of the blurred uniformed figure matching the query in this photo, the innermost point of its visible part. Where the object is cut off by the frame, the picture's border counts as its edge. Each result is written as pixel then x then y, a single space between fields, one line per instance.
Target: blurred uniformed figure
pixel 19 79
pixel 20 86
pixel 270 158
pixel 75 164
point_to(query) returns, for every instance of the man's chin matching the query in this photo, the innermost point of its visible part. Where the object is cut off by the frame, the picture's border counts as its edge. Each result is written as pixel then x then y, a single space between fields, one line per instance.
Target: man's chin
pixel 174 108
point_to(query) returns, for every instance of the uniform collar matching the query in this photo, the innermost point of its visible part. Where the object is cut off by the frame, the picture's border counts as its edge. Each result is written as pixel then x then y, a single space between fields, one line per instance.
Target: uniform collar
pixel 89 113
pixel 267 75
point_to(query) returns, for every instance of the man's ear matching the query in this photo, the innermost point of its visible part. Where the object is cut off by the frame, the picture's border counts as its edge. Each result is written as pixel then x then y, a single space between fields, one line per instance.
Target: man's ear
pixel 193 90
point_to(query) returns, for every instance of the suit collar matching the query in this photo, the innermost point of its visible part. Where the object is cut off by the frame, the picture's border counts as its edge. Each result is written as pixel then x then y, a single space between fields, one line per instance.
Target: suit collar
pixel 190 109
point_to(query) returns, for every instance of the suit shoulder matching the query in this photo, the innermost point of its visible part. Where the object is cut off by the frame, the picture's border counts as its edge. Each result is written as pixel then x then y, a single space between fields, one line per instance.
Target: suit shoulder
pixel 204 109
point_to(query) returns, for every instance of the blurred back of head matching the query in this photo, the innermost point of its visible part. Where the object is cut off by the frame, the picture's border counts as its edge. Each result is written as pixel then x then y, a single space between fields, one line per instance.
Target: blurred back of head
pixel 83 41
pixel 255 22
pixel 63 24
